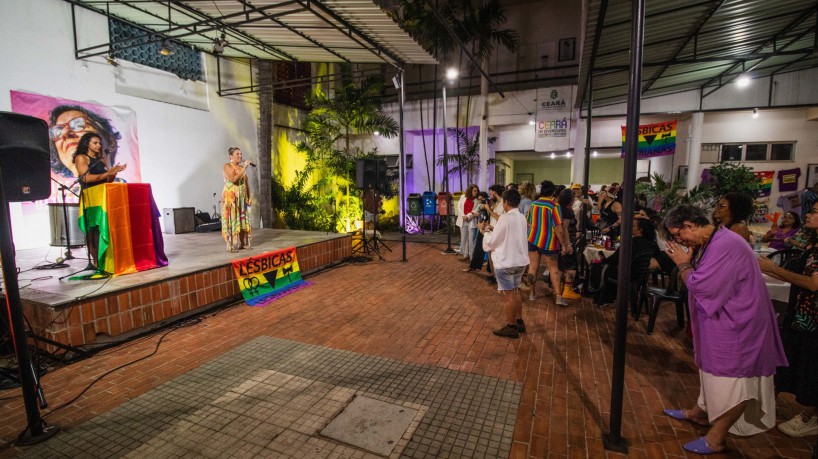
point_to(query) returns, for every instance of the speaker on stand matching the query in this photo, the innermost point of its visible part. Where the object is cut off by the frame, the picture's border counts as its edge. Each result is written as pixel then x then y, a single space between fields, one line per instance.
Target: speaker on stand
pixel 25 175
pixel 370 177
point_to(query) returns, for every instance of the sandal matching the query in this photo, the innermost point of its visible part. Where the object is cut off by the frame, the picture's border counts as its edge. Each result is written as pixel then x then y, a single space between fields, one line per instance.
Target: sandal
pixel 468 270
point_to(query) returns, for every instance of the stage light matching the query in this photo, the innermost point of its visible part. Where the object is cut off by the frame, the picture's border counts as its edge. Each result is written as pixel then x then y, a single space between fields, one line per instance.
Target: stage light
pixel 164 50
pixel 743 81
pixel 219 44
pixel 452 74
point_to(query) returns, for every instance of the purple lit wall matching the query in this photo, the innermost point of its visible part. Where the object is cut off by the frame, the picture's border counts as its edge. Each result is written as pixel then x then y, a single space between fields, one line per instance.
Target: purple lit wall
pixel 417 178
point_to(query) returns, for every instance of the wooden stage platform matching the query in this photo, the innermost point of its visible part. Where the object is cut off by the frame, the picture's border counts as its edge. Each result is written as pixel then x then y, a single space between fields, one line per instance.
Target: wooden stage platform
pixel 199 275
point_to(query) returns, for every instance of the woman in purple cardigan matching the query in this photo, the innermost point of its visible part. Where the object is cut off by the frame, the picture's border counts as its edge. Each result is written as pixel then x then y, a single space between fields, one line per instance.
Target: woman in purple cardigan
pixel 735 337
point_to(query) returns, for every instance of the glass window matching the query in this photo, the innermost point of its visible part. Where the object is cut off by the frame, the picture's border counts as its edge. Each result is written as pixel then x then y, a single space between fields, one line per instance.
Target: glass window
pixel 731 152
pixel 756 152
pixel 782 152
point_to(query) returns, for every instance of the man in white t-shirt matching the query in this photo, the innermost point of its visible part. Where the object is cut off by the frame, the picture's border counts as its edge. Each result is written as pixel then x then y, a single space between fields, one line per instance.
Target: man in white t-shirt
pixel 508 243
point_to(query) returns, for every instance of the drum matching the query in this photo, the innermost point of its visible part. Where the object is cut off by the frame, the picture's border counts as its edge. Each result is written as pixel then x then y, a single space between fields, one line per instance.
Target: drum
pixel 56 217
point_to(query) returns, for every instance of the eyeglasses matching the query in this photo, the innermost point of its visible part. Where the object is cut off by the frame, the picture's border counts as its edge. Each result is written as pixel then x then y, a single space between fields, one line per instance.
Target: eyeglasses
pixel 75 125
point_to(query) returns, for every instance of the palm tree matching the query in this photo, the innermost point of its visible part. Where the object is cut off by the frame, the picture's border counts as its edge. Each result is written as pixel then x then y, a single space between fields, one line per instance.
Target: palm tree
pixel 467 159
pixel 333 120
pixel 485 33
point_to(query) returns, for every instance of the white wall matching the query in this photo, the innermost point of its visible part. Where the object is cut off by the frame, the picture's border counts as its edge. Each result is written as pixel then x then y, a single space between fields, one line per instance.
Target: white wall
pixel 181 149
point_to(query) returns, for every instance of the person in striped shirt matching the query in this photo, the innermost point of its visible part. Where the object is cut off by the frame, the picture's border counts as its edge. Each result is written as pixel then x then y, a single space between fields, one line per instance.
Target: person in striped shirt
pixel 545 238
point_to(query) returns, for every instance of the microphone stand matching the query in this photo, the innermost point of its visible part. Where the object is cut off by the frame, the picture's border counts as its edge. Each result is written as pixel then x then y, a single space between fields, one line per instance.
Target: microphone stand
pixel 63 188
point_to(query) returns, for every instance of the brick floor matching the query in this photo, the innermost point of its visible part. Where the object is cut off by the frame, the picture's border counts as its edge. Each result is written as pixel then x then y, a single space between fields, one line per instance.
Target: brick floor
pixel 426 312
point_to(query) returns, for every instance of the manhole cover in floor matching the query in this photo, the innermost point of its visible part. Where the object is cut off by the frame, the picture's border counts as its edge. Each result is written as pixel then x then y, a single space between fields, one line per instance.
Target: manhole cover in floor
pixel 371 425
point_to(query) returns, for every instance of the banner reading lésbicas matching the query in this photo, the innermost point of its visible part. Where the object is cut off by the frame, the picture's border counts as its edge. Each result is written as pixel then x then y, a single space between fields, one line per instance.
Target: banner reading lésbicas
pixel 265 277
pixel 657 139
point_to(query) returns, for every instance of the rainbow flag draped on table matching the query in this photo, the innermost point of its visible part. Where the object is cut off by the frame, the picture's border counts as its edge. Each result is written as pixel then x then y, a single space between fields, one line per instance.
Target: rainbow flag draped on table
pixel 130 238
pixel 267 276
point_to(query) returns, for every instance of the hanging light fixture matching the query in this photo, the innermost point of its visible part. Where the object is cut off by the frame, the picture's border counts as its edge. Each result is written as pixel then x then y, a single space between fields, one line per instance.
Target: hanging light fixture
pixel 219 44
pixel 743 81
pixel 164 50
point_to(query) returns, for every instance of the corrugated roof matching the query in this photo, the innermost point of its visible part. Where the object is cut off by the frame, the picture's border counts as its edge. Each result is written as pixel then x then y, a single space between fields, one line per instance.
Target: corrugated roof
pixel 355 31
pixel 697 44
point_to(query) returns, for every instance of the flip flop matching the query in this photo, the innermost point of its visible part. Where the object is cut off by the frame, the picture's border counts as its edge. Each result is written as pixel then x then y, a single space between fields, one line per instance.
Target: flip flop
pixel 680 415
pixel 700 446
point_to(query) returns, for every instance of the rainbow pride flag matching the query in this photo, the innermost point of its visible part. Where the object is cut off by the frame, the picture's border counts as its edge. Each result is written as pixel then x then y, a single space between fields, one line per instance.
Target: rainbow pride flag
pixel 765 188
pixel 267 276
pixel 130 238
pixel 657 139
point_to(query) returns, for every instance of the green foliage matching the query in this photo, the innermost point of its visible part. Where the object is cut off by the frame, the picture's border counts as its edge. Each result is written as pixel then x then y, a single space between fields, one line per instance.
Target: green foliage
pixel 301 206
pixel 667 195
pixel 727 177
pixel 466 161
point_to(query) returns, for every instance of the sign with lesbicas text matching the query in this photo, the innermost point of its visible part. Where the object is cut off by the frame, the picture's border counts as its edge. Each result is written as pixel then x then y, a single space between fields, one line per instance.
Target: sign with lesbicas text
pixel 267 276
pixel 658 139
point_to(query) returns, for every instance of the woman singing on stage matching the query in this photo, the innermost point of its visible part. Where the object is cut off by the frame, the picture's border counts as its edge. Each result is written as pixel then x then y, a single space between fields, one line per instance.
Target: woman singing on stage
pixel 92 170
pixel 236 202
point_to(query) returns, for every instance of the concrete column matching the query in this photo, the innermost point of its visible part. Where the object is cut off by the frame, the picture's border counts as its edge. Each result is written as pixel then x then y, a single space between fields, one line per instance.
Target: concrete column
pixel 578 160
pixel 694 150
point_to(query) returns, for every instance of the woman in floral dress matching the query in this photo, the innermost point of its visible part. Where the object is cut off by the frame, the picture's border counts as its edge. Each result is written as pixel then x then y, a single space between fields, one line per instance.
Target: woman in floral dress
pixel 236 202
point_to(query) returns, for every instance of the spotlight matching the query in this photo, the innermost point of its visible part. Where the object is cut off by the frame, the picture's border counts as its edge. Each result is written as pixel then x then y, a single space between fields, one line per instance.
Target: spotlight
pixel 219 44
pixel 595 154
pixel 377 133
pixel 567 154
pixel 743 81
pixel 531 122
pixel 553 156
pixel 164 50
pixel 452 74
pixel 755 113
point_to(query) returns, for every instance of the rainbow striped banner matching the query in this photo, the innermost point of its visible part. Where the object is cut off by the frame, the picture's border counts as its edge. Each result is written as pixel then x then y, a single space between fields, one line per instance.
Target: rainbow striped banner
pixel 765 188
pixel 265 277
pixel 654 140
pixel 130 238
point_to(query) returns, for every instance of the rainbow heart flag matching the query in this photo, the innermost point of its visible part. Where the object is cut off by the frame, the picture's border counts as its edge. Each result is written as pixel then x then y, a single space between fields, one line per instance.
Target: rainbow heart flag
pixel 270 275
pixel 657 139
pixel 130 238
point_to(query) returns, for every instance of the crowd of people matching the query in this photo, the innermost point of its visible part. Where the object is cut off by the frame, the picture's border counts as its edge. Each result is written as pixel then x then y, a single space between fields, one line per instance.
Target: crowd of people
pixel 745 352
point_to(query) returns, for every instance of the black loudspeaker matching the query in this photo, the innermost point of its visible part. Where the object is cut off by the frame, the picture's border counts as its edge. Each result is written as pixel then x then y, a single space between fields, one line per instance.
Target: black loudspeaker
pixel 25 160
pixel 370 172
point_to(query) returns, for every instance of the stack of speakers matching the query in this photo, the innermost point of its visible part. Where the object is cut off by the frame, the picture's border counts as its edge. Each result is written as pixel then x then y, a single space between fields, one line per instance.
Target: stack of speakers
pixel 25 159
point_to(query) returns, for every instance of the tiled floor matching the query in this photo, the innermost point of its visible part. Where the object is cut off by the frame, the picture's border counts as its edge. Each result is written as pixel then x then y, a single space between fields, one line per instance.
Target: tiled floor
pixel 425 312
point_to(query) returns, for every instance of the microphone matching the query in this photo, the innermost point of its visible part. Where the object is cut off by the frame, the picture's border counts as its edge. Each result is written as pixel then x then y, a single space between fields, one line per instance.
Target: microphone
pixel 251 163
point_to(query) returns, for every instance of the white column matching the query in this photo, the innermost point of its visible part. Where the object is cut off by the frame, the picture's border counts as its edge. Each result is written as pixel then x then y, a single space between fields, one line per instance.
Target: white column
pixel 578 160
pixel 694 150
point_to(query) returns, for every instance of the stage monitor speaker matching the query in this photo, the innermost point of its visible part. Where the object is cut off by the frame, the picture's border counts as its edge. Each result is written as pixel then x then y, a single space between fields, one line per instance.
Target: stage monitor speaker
pixel 179 220
pixel 370 172
pixel 25 159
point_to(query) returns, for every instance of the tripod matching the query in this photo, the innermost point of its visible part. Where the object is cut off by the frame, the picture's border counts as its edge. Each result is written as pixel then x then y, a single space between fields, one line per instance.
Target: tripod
pixel 371 245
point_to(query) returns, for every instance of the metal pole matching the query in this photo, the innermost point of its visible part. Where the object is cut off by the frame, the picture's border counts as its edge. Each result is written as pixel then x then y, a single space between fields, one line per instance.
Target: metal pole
pixel 403 197
pixel 613 439
pixel 36 431
pixel 587 166
pixel 446 176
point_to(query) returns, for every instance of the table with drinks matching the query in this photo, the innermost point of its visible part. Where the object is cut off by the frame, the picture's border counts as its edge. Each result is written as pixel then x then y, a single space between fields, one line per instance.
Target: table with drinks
pixel 598 247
